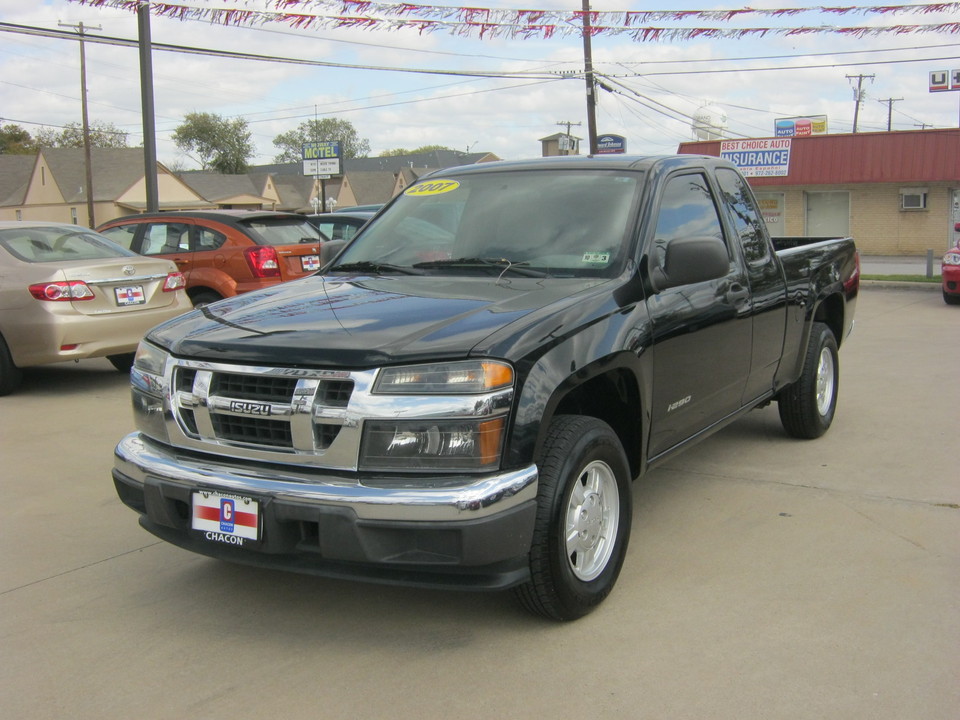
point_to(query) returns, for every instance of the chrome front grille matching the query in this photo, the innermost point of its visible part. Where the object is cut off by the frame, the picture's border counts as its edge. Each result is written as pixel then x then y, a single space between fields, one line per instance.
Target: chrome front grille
pixel 268 409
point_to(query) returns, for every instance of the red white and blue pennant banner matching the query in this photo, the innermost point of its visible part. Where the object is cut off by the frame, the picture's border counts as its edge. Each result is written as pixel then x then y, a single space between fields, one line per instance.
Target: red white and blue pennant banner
pixel 544 24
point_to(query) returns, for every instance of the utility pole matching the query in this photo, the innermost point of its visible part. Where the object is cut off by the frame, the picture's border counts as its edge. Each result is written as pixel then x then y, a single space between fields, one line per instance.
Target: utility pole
pixel 858 95
pixel 146 104
pixel 568 125
pixel 87 161
pixel 889 103
pixel 588 78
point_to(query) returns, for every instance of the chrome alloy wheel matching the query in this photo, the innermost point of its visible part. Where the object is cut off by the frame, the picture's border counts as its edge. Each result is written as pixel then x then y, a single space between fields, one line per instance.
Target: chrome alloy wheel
pixel 592 518
pixel 826 381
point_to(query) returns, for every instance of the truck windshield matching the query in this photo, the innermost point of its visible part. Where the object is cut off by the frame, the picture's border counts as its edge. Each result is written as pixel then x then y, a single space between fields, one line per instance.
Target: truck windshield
pixel 531 223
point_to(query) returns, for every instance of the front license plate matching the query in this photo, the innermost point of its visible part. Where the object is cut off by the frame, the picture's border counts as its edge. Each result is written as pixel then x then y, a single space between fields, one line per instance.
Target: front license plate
pixel 132 295
pixel 310 262
pixel 230 519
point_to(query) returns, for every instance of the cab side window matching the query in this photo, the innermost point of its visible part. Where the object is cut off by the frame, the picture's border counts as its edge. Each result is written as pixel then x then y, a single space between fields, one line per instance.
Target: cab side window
pixel 686 210
pixel 746 218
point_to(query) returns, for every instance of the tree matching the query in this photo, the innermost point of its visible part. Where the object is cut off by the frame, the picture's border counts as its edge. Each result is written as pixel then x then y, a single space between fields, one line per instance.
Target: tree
pixel 326 130
pixel 14 140
pixel 102 135
pixel 420 150
pixel 215 142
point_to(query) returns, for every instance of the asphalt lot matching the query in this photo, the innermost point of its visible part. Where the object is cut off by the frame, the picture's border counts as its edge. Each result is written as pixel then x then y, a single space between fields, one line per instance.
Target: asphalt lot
pixel 766 578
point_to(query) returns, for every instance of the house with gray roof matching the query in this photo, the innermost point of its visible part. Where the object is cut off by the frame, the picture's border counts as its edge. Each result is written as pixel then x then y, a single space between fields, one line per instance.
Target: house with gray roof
pixel 51 185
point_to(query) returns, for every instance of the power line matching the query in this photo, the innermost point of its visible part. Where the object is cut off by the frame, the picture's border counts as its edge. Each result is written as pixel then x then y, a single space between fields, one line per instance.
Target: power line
pixel 234 55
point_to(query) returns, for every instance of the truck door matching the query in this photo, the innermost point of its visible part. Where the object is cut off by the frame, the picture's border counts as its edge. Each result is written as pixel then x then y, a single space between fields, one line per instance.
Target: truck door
pixel 767 284
pixel 701 331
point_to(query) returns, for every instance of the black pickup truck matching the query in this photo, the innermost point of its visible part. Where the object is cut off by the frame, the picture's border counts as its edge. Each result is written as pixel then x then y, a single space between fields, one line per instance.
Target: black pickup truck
pixel 464 394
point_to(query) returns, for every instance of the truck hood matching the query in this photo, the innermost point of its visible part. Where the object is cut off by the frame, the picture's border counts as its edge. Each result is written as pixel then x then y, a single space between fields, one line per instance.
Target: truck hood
pixel 363 321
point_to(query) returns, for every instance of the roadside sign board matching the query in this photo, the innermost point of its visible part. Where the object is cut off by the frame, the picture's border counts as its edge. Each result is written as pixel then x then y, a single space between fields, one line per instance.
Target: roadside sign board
pixel 944 80
pixel 611 144
pixel 759 158
pixel 321 158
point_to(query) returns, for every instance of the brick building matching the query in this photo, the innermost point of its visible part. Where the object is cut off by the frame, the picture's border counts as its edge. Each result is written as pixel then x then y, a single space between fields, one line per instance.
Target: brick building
pixel 896 193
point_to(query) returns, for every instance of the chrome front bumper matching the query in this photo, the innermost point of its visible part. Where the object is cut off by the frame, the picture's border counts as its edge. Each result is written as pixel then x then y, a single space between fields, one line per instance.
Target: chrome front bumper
pixel 140 460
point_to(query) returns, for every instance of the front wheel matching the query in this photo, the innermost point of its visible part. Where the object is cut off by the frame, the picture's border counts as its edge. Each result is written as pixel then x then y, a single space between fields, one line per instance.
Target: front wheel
pixel 807 406
pixel 583 519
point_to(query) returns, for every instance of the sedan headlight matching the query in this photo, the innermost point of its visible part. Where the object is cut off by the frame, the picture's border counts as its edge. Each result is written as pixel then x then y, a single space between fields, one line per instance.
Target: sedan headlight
pixel 951 258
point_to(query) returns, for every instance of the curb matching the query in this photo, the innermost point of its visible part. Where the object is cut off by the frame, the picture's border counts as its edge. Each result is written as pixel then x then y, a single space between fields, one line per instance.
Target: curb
pixel 901 285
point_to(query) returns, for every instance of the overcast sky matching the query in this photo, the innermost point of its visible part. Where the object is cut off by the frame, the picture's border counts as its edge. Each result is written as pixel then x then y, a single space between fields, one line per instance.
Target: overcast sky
pixel 658 85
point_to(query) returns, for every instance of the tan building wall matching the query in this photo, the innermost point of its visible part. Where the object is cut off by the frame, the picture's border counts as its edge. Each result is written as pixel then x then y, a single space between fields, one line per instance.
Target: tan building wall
pixel 877 222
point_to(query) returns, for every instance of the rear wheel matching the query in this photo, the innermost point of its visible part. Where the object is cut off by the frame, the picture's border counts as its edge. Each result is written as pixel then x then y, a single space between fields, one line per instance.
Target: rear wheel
pixel 204 298
pixel 807 406
pixel 122 362
pixel 583 519
pixel 10 374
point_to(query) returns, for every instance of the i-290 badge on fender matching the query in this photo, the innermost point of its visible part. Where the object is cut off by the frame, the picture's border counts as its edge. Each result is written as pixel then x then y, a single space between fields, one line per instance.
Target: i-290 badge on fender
pixel 230 519
pixel 431 187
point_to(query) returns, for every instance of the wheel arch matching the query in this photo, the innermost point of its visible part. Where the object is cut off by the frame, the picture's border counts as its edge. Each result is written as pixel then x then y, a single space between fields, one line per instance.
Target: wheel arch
pixel 608 389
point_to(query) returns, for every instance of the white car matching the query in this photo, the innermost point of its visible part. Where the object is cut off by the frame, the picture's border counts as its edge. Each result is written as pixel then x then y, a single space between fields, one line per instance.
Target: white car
pixel 68 293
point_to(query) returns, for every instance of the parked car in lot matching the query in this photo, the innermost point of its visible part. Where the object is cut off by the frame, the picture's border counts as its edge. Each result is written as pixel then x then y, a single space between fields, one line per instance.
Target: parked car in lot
pixel 950 274
pixel 360 208
pixel 341 225
pixel 223 253
pixel 68 293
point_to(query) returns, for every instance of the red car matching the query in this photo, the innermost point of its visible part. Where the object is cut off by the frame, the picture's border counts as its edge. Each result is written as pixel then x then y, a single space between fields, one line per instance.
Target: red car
pixel 223 253
pixel 950 272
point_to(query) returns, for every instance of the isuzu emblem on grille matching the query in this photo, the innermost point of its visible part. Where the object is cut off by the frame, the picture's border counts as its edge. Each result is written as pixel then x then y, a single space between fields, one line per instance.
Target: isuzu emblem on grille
pixel 249 408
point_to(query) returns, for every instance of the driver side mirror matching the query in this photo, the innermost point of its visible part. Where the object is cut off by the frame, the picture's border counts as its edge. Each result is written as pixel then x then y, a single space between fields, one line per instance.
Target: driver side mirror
pixel 691 260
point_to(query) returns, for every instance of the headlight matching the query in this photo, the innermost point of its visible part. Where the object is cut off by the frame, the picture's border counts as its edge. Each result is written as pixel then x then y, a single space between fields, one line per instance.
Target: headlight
pixel 150 358
pixel 951 258
pixel 147 392
pixel 469 445
pixel 454 378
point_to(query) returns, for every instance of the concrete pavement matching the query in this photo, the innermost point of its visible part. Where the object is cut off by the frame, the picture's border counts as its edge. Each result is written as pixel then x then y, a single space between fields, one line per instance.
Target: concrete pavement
pixel 766 578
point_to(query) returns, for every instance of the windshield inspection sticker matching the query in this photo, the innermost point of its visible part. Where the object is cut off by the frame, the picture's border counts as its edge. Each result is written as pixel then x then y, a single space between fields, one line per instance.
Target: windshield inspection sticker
pixel 435 187
pixel 595 258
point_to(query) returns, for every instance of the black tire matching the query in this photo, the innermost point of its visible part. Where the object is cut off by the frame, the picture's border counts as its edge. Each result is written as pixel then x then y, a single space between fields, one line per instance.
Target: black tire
pixel 122 362
pixel 10 374
pixel 204 298
pixel 951 298
pixel 807 406
pixel 584 483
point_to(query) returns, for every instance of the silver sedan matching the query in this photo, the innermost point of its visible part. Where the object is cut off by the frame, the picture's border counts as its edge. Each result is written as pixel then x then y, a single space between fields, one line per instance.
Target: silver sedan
pixel 68 293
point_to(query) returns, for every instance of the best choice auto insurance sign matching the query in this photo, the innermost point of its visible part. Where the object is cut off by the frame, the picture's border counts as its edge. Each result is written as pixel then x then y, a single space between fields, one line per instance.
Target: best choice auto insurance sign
pixel 758 158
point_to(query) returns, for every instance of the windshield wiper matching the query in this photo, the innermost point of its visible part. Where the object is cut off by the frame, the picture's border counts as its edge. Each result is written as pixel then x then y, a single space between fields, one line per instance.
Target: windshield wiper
pixel 373 267
pixel 501 264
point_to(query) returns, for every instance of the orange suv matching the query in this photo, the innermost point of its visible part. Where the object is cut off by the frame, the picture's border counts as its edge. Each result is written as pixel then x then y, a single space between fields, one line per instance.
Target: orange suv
pixel 223 253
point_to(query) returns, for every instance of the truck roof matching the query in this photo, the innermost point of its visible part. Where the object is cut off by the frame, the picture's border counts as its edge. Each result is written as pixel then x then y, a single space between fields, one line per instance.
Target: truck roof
pixel 585 162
